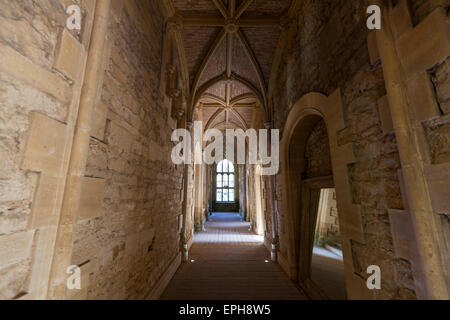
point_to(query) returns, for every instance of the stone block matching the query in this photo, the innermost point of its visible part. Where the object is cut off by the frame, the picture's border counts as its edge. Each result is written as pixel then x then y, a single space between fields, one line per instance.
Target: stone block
pixel 91 198
pixel 402 233
pixel 99 121
pixel 131 103
pixel 401 18
pixel 425 45
pixel 21 68
pixel 42 261
pixel 46 144
pixel 16 247
pixel 385 115
pixel 70 56
pixel 120 137
pixel 438 177
pixel 44 212
pixel 422 93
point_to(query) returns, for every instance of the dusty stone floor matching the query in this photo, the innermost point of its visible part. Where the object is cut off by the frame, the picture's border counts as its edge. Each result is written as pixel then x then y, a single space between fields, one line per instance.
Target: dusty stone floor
pixel 328 273
pixel 228 262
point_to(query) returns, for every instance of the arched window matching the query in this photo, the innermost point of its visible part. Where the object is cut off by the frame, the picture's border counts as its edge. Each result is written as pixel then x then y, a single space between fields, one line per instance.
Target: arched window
pixel 225 182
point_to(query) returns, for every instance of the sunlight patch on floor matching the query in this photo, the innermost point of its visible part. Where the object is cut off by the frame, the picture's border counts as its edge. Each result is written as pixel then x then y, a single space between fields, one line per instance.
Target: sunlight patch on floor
pixel 326 253
pixel 227 228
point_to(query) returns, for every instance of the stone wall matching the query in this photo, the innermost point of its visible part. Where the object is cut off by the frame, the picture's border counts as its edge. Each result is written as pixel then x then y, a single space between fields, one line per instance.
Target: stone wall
pixel 327 49
pixel 38 85
pixel 137 236
pixel 317 153
pixel 438 130
pixel 126 245
pixel 421 8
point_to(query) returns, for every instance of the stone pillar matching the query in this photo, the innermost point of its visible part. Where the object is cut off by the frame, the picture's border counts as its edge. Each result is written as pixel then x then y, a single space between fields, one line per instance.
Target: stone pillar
pixel 77 163
pixel 211 189
pixel 198 208
pixel 206 191
pixel 432 282
pixel 244 192
pixel 270 193
pixel 184 238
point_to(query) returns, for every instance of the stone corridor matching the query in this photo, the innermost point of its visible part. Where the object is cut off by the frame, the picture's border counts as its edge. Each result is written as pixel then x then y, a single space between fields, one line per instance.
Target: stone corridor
pixel 338 112
pixel 229 262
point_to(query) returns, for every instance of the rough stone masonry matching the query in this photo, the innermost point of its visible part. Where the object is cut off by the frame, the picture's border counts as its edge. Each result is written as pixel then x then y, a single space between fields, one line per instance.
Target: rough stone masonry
pixel 86 118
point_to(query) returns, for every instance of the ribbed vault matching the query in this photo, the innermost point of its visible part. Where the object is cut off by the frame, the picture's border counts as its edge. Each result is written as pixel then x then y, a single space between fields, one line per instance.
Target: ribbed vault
pixel 229 47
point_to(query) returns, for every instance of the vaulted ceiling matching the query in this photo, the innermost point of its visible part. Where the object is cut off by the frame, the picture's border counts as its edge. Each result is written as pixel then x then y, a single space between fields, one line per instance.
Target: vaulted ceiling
pixel 229 47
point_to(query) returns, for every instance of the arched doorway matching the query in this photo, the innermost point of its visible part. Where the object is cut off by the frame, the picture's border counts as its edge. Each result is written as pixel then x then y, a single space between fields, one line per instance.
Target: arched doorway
pixel 307 179
pixel 320 269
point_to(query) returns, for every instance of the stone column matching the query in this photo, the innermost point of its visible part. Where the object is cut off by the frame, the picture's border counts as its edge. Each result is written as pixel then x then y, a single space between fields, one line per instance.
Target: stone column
pixel 206 191
pixel 270 193
pixel 433 282
pixel 244 192
pixel 198 208
pixel 211 189
pixel 184 238
pixel 80 147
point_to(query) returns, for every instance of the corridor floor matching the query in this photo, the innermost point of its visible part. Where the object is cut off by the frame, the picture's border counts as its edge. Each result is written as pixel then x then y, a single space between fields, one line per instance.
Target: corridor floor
pixel 230 262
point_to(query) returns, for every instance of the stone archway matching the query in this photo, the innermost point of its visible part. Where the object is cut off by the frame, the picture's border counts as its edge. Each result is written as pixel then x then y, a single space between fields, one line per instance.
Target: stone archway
pixel 304 115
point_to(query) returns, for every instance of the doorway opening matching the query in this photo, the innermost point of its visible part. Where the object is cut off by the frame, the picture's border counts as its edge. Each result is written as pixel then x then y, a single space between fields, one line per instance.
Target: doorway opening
pixel 317 263
pixel 327 265
pixel 321 271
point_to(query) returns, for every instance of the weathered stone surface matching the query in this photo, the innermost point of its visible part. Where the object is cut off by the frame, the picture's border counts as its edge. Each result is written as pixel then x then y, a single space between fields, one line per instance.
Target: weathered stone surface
pixel 99 121
pixel 438 135
pixel 69 58
pixel 15 248
pixel 137 236
pixel 385 115
pixel 440 77
pixel 43 209
pixel 46 145
pixel 91 199
pixel 318 158
pixel 23 69
pixel 29 37
pixel 128 226
pixel 373 177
